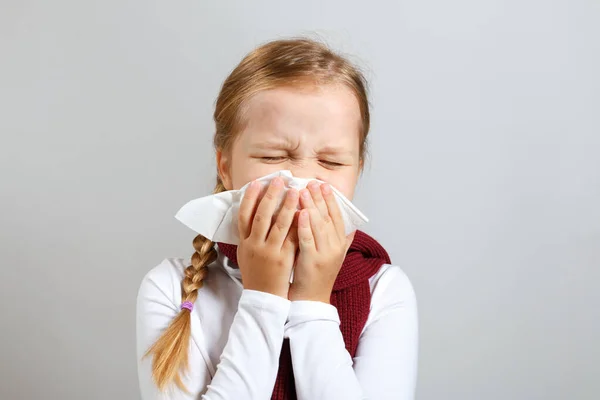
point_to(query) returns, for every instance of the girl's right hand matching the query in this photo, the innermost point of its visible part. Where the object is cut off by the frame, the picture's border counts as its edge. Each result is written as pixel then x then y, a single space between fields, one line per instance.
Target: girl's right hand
pixel 268 245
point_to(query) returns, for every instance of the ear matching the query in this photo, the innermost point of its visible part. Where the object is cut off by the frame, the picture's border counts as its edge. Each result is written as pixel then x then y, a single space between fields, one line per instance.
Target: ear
pixel 224 169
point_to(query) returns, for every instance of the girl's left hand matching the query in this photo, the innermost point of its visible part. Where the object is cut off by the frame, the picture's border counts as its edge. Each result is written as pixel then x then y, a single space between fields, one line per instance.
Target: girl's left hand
pixel 322 244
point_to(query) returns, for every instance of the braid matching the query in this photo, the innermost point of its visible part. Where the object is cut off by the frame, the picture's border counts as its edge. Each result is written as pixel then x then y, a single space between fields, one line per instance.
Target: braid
pixel 170 351
pixel 194 274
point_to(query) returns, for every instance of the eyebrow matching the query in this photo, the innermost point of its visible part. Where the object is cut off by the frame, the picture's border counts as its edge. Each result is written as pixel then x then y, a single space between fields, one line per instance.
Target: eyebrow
pixel 270 145
pixel 284 145
pixel 334 150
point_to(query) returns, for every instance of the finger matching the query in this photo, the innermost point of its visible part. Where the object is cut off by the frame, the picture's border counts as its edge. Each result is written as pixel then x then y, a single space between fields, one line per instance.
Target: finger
pixel 315 190
pixel 334 210
pixel 306 241
pixel 330 230
pixel 266 208
pixel 247 207
pixel 285 217
pixel 291 239
pixel 317 222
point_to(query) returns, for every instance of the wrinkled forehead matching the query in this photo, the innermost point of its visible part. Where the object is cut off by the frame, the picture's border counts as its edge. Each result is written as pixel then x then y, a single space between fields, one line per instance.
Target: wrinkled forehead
pixel 325 116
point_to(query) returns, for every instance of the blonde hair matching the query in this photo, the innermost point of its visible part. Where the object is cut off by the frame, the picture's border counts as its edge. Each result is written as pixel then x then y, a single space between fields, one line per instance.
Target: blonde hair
pixel 279 63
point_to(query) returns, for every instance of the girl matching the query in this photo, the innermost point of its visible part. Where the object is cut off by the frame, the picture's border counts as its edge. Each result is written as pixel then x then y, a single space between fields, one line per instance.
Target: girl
pixel 226 323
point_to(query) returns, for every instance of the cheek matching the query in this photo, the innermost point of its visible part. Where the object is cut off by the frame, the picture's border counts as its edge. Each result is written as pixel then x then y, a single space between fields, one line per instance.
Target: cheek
pixel 246 172
pixel 347 190
pixel 345 184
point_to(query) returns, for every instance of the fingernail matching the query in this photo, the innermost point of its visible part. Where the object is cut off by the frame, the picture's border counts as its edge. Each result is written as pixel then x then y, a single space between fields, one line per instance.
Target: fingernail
pixel 253 184
pixel 277 182
pixel 326 188
pixel 305 194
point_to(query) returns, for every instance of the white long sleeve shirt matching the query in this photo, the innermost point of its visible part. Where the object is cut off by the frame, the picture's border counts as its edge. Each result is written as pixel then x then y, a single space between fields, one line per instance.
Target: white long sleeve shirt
pixel 237 336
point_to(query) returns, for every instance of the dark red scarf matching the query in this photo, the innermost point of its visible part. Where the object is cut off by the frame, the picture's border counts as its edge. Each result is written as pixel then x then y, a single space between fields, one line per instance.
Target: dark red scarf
pixel 351 296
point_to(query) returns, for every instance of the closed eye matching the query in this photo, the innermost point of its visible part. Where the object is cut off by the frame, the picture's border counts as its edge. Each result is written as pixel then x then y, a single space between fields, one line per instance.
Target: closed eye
pixel 272 159
pixel 331 163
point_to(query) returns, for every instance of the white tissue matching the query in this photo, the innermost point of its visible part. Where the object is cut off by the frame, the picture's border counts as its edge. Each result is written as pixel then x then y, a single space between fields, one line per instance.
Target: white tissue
pixel 215 216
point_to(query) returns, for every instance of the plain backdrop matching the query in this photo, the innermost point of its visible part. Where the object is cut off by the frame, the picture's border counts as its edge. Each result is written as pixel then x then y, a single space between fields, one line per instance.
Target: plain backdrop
pixel 484 180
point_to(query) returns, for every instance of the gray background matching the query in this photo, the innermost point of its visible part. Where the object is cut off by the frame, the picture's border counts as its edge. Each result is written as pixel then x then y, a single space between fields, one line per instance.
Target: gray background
pixel 484 182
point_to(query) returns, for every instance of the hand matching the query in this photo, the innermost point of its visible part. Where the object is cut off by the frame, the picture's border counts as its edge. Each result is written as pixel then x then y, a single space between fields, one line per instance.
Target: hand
pixel 322 244
pixel 268 243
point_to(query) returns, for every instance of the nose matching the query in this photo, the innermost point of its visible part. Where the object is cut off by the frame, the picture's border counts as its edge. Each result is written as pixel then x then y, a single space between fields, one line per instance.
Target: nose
pixel 306 171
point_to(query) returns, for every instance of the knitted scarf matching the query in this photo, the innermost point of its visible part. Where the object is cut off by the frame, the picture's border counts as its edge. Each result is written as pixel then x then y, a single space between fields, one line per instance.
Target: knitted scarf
pixel 351 296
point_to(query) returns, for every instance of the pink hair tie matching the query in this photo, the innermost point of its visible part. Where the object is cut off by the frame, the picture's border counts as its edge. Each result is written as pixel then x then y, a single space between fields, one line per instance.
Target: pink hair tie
pixel 188 305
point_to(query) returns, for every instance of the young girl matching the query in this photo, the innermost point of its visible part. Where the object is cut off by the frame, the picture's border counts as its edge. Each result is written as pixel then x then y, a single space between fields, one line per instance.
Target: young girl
pixel 227 323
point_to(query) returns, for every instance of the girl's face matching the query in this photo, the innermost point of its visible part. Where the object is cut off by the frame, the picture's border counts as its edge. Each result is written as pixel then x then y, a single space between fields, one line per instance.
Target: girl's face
pixel 312 132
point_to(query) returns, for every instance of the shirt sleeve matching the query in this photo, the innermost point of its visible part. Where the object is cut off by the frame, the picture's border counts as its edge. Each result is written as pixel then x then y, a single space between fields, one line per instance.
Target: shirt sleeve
pixel 250 359
pixel 385 363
